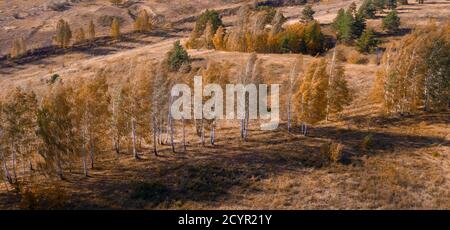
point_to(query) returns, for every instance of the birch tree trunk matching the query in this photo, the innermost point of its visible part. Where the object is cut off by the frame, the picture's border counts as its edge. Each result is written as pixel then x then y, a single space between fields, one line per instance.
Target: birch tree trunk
pixel 184 134
pixel 213 132
pixel 170 120
pixel 133 133
pixel 59 170
pixel 91 154
pixel 85 170
pixel 333 61
pixel 155 133
pixel 289 114
pixel 202 135
pixel 7 175
pixel 14 162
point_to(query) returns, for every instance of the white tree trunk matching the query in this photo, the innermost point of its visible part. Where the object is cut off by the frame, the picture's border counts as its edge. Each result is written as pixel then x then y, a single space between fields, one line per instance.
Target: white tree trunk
pixel 85 170
pixel 133 133
pixel 213 133
pixel 7 175
pixel 184 134
pixel 91 154
pixel 14 162
pixel 289 114
pixel 155 134
pixel 202 135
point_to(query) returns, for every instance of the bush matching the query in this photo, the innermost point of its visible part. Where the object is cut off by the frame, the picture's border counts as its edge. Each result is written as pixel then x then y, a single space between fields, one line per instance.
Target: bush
pixel 333 152
pixel 53 79
pixel 354 57
pixel 367 142
pixel 35 197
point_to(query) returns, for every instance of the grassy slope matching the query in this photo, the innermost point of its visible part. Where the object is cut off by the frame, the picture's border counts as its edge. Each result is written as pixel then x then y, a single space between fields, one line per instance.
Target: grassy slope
pixel 407 166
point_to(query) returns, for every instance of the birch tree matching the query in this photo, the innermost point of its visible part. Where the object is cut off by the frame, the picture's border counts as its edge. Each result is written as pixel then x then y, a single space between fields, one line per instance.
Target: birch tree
pixel 56 129
pixel 294 75
pixel 92 101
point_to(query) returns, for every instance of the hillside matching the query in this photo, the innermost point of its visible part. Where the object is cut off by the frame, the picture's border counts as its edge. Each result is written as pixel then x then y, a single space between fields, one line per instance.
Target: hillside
pixel 407 165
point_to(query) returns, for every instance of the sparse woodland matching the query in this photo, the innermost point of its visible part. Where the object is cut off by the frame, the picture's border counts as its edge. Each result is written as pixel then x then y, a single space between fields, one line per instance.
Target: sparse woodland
pixel 74 125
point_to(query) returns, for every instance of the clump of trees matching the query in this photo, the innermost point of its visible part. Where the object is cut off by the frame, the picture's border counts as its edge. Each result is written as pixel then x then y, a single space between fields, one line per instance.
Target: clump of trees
pixel 260 30
pixel 143 22
pixel 323 91
pixel 205 28
pixel 349 24
pixel 368 9
pixel 63 34
pixel 415 72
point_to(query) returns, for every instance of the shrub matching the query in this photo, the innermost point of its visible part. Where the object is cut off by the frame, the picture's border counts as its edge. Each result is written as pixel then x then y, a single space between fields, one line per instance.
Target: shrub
pixel 333 152
pixel 53 79
pixel 367 142
pixel 354 57
pixel 36 197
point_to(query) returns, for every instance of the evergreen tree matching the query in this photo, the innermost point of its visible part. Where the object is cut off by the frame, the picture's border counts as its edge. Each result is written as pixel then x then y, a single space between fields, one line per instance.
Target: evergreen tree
pixel 391 4
pixel 176 57
pixel 391 22
pixel 343 25
pixel 313 37
pixel 307 14
pixel 379 4
pixel 367 9
pixel 367 42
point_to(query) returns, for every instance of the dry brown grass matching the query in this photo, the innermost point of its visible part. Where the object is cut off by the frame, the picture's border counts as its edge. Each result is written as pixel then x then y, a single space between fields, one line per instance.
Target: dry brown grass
pixel 390 163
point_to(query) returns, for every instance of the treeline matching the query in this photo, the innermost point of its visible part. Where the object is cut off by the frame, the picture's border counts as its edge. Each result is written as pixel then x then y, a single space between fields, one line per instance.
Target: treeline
pixel 257 29
pixel 262 29
pixel 65 36
pixel 416 72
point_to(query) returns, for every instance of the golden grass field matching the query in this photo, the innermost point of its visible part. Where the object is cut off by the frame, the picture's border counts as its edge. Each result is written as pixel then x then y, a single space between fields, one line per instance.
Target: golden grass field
pixel 405 164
